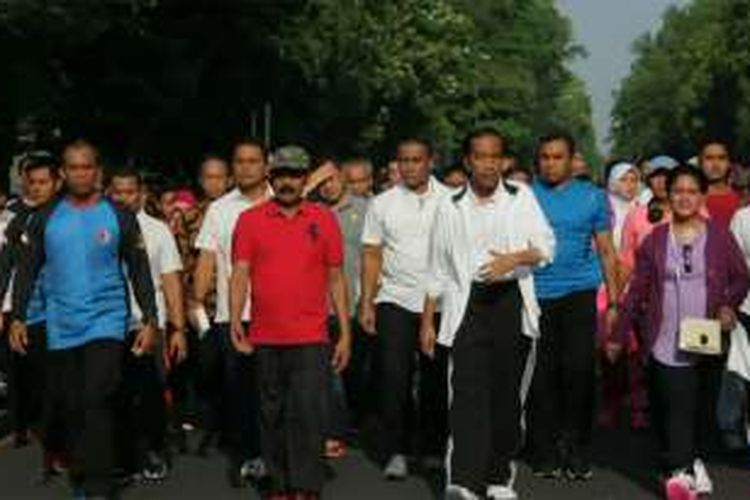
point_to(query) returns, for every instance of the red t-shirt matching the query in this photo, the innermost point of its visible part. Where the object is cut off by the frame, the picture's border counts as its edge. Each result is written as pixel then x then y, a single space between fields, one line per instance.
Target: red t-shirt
pixel 722 207
pixel 289 261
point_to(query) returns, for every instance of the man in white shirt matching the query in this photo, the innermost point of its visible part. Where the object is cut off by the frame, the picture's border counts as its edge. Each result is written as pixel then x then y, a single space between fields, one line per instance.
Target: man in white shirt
pixel 394 271
pixel 485 241
pixel 227 374
pixel 143 410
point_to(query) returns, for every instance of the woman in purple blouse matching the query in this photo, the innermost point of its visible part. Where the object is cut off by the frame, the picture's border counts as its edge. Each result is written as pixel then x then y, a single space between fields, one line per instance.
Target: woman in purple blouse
pixel 689 268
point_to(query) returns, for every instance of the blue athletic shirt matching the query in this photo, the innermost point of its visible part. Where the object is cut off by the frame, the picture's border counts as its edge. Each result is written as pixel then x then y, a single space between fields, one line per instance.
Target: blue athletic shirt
pixel 83 251
pixel 576 210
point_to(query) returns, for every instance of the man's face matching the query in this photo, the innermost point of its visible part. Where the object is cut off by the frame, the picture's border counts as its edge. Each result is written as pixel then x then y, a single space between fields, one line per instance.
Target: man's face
pixel 214 178
pixel 554 161
pixel 81 172
pixel 658 184
pixel 126 193
pixel 579 167
pixel 359 179
pixel 40 185
pixel 486 161
pixel 167 204
pixel 414 164
pixel 288 186
pixel 715 162
pixel 685 197
pixel 332 188
pixel 248 166
pixel 456 179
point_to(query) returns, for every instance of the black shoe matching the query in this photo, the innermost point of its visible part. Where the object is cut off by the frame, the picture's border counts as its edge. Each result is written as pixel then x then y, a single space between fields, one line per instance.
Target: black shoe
pixel 578 469
pixel 156 467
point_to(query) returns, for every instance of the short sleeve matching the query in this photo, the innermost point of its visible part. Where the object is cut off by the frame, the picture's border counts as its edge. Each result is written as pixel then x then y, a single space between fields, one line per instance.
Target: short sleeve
pixel 208 234
pixel 601 219
pixel 242 240
pixel 372 231
pixel 334 242
pixel 170 260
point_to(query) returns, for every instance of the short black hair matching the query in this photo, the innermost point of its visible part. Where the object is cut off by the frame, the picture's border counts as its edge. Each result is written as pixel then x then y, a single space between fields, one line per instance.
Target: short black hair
pixel 422 141
pixel 125 172
pixel 251 142
pixel 79 144
pixel 40 162
pixel 715 141
pixel 457 167
pixel 476 134
pixel 558 135
pixel 687 171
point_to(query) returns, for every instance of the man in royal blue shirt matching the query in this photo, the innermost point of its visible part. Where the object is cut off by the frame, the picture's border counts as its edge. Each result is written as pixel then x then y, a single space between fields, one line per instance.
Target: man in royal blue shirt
pixel 562 391
pixel 84 242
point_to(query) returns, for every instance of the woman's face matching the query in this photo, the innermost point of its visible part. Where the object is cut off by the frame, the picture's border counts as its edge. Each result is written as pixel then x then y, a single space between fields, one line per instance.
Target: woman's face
pixel 686 198
pixel 627 186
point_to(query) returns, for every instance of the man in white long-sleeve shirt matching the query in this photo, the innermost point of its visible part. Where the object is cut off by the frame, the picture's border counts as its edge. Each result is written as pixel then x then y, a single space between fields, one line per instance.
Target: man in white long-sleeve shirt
pixel 484 244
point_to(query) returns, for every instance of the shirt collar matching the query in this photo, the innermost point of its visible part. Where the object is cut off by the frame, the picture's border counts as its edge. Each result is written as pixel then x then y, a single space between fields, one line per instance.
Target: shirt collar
pixel 492 199
pixel 274 209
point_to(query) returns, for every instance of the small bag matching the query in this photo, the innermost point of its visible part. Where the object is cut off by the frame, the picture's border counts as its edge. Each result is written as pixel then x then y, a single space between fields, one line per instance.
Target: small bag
pixel 700 336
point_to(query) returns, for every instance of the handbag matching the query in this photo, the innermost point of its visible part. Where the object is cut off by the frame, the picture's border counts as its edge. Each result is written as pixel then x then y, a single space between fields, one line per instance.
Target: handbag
pixel 700 336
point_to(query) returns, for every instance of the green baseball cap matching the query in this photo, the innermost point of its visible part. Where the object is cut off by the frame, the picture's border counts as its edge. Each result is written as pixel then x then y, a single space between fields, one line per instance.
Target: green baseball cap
pixel 290 157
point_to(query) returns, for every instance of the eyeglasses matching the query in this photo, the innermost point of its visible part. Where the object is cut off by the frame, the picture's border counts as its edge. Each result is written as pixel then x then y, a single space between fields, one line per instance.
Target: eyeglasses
pixel 687 258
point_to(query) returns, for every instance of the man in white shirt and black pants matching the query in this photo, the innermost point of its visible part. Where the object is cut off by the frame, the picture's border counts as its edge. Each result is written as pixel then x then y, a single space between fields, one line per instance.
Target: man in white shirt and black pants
pixel 394 271
pixel 485 241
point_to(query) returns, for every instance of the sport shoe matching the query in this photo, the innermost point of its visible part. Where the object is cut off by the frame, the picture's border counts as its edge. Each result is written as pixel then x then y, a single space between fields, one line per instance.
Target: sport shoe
pixel 547 471
pixel 156 467
pixel 253 470
pixel 681 486
pixel 501 492
pixel 455 492
pixel 397 468
pixel 578 469
pixel 703 483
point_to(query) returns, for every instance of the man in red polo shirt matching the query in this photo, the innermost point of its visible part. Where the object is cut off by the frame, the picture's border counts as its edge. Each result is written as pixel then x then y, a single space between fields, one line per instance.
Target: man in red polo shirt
pixel 289 253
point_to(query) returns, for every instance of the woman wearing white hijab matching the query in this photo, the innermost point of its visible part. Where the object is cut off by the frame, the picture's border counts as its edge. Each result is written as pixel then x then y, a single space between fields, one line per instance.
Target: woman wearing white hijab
pixel 623 186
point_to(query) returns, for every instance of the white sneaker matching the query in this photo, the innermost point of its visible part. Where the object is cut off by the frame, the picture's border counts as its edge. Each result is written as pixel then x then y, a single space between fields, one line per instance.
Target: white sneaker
pixel 500 492
pixel 397 468
pixel 703 483
pixel 455 492
pixel 681 486
pixel 254 469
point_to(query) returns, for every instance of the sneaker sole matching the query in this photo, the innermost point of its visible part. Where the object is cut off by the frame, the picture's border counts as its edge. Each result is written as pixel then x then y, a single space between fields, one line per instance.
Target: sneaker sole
pixel 554 474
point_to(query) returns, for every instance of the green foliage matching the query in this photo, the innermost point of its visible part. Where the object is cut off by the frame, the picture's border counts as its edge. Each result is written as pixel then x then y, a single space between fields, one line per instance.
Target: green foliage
pixel 691 80
pixel 163 81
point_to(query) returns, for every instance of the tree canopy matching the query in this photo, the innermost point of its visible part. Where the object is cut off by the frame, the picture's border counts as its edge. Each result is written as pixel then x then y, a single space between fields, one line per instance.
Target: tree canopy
pixel 160 82
pixel 690 82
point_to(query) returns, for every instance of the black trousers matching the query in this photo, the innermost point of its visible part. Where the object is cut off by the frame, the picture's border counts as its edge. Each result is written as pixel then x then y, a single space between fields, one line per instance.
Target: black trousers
pixel 292 380
pixel 398 353
pixel 26 380
pixel 229 388
pixel 683 405
pixel 488 359
pixel 142 424
pixel 560 409
pixel 86 381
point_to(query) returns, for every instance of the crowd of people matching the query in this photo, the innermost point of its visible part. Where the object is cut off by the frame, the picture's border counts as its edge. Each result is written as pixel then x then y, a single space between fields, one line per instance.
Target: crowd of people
pixel 290 305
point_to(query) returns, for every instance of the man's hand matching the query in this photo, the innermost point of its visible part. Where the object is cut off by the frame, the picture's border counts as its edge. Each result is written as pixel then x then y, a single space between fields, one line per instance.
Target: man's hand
pixel 427 337
pixel 319 176
pixel 727 318
pixel 144 341
pixel 612 351
pixel 177 348
pixel 239 338
pixel 367 317
pixel 18 337
pixel 500 265
pixel 341 354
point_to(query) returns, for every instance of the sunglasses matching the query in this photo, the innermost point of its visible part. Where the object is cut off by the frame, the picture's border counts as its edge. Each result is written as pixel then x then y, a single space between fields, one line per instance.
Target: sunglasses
pixel 687 259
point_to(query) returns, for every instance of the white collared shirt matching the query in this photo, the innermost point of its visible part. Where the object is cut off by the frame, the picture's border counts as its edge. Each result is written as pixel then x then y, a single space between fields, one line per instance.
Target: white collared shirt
pixel 488 227
pixel 215 236
pixel 163 258
pixel 399 221
pixel 453 253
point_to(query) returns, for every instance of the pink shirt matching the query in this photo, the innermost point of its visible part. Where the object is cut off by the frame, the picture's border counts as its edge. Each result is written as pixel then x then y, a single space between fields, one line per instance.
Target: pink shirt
pixel 634 231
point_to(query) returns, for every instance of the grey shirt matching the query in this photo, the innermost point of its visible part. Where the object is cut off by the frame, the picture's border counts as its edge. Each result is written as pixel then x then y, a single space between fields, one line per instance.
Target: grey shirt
pixel 351 217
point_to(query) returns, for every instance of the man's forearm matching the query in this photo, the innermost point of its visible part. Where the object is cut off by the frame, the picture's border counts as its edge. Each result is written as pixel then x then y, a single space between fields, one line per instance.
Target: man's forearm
pixel 371 267
pixel 530 257
pixel 340 297
pixel 237 294
pixel 203 276
pixel 172 286
pixel 429 310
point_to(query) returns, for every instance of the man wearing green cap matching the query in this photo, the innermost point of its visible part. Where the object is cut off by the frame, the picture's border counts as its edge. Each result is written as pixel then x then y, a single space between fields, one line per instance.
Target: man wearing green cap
pixel 289 253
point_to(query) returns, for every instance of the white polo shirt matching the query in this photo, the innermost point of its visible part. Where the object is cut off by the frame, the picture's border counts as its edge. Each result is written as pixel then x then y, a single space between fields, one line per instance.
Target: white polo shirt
pixel 399 221
pixel 215 236
pixel 163 258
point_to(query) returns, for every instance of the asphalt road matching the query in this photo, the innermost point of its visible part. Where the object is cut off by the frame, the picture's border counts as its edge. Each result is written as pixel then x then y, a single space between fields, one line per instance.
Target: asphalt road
pixel 624 471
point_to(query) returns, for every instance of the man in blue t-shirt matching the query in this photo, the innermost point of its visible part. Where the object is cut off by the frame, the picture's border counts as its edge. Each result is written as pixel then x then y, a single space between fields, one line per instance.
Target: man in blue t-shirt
pixel 83 243
pixel 562 391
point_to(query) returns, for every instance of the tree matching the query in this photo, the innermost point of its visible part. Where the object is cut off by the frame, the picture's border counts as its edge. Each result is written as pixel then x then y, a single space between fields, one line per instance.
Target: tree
pixel 691 80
